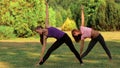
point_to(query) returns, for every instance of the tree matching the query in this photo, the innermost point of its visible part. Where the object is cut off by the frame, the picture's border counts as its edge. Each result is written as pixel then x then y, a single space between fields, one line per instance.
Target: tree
pixel 22 15
pixel 59 20
pixel 52 17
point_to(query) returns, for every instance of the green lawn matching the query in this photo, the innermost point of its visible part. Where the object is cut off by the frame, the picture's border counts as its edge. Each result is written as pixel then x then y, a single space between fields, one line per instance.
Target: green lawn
pixel 24 53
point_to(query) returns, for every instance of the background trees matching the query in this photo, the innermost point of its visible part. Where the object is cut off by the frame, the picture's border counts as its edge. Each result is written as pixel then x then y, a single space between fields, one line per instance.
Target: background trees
pixel 21 16
pixel 99 14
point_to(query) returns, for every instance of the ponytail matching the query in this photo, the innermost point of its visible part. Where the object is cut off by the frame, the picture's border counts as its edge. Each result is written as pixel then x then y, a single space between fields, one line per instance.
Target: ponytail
pixel 77 38
pixel 41 38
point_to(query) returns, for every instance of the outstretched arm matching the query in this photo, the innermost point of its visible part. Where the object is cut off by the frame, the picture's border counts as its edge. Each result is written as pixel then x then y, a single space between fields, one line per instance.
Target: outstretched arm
pixel 82 16
pixel 47 15
pixel 43 47
pixel 43 50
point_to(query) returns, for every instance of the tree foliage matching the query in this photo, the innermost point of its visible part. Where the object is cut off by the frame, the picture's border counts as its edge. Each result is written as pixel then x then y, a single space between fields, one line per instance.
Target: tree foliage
pixel 6 32
pixel 68 25
pixel 24 15
pixel 99 14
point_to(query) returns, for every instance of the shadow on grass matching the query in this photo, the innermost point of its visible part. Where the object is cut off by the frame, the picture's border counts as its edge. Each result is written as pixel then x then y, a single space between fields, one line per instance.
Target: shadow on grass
pixel 26 55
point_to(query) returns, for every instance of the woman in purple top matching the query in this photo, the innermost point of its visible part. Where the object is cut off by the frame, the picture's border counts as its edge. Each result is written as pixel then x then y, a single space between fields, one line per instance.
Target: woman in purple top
pixel 61 38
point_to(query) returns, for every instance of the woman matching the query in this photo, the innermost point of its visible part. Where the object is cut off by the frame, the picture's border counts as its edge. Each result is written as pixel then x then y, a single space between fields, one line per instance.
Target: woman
pixel 86 32
pixel 61 38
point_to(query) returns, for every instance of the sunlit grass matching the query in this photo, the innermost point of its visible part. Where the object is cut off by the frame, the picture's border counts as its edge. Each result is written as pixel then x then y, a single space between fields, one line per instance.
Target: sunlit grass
pixel 25 53
pixel 109 36
pixel 4 65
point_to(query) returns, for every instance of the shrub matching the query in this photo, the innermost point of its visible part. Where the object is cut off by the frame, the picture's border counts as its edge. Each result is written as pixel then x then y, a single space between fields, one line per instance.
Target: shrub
pixel 68 25
pixel 6 32
pixel 22 30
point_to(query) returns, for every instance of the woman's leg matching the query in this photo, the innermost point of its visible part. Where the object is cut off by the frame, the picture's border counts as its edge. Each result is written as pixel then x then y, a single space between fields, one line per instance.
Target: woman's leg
pixel 102 42
pixel 90 46
pixel 51 49
pixel 72 48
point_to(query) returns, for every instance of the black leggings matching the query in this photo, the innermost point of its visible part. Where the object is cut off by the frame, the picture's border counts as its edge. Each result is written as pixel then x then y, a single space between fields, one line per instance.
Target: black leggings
pixel 92 44
pixel 65 39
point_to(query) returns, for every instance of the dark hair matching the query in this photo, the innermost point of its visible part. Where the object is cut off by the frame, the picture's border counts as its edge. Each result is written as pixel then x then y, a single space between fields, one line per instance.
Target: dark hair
pixel 41 38
pixel 76 38
pixel 38 27
pixel 41 35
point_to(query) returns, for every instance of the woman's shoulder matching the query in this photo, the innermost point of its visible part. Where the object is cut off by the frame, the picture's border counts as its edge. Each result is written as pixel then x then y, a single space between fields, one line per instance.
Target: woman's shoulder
pixel 82 28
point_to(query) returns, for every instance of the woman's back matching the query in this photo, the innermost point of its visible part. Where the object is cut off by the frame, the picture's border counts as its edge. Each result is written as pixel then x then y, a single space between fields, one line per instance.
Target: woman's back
pixel 53 32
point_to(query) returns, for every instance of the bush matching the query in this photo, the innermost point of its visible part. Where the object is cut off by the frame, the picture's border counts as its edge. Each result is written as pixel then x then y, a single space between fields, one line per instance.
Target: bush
pixel 22 30
pixel 68 25
pixel 6 32
pixel 52 20
pixel 23 15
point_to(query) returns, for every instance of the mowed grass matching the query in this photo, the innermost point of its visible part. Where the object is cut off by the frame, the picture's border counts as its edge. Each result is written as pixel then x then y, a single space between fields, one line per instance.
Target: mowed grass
pixel 25 53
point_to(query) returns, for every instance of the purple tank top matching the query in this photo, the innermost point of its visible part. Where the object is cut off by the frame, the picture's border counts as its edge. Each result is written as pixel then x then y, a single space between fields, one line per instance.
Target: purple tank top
pixel 53 32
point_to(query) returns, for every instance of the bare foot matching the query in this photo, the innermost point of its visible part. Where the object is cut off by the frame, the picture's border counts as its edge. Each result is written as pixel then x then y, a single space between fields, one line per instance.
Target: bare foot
pixel 81 64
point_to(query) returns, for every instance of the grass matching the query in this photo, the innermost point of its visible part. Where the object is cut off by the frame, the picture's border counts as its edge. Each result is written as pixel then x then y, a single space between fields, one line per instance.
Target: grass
pixel 24 53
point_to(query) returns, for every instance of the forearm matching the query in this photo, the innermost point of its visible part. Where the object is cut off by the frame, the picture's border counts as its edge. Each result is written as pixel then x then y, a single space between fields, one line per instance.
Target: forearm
pixel 81 50
pixel 47 16
pixel 82 17
pixel 43 50
pixel 82 47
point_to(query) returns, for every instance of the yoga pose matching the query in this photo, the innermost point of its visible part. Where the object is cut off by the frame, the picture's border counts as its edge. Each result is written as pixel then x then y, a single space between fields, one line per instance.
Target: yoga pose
pixel 85 32
pixel 61 38
pixel 57 34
